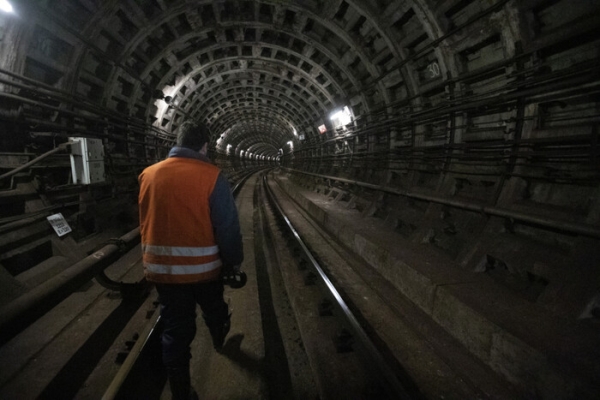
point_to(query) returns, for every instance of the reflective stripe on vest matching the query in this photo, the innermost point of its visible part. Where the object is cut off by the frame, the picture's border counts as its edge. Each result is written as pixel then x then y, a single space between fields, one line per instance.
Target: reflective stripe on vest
pixel 180 251
pixel 182 269
pixel 177 264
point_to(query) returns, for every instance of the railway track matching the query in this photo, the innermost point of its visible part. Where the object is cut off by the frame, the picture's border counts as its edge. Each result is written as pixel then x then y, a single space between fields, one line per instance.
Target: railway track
pixel 142 374
pixel 344 360
pixel 362 337
pixel 312 322
pixel 326 352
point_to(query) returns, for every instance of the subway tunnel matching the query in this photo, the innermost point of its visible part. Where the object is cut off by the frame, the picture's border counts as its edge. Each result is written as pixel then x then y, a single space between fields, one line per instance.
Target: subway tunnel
pixel 452 145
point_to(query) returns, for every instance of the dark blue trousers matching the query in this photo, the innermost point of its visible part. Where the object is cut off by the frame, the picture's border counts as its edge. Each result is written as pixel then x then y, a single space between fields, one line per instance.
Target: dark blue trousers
pixel 178 313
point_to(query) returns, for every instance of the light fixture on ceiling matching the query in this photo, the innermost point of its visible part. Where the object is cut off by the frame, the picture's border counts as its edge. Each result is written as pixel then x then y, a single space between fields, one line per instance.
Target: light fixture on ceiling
pixel 342 117
pixel 6 6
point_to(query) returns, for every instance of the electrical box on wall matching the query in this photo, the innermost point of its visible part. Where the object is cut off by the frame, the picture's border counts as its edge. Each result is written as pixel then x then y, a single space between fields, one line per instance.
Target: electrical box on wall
pixel 87 160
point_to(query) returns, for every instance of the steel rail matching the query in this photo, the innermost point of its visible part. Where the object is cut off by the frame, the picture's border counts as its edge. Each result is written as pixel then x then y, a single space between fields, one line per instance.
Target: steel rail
pixel 238 185
pixel 151 328
pixel 390 380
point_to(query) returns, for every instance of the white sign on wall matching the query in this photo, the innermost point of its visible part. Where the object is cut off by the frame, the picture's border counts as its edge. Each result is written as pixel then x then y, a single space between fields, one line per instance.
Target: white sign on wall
pixel 59 223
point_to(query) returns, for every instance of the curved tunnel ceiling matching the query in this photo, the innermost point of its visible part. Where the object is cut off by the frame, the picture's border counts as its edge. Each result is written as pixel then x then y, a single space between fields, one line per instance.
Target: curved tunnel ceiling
pixel 259 73
pixel 262 74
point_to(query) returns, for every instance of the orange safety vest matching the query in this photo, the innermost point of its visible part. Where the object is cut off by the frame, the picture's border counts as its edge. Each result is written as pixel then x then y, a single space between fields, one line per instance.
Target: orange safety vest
pixel 178 242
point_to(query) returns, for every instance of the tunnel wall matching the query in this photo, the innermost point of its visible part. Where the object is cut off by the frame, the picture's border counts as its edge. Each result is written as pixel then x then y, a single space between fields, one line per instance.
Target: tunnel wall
pixel 494 163
pixel 474 130
pixel 487 104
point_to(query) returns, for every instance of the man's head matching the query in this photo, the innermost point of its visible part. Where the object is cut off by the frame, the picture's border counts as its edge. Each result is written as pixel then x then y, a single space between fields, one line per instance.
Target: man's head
pixel 192 135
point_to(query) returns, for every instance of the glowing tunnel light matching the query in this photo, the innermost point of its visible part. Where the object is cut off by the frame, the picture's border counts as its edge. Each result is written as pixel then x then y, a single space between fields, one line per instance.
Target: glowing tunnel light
pixel 342 117
pixel 6 6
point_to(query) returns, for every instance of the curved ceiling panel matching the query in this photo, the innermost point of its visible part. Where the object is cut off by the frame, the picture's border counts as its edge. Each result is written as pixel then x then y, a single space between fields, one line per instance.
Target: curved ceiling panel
pixel 272 69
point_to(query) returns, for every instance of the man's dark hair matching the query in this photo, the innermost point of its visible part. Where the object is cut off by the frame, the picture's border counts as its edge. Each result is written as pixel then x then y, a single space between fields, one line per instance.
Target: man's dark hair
pixel 192 135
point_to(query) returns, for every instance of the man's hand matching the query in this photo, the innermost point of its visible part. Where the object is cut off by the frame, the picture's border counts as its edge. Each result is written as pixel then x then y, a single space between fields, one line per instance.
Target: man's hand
pixel 234 277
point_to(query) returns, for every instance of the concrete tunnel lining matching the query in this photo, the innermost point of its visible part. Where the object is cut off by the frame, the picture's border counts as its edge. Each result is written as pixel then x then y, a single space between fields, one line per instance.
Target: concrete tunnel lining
pixel 493 105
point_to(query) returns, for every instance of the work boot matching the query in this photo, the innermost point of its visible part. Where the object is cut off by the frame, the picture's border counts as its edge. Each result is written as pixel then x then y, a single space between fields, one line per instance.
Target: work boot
pixel 218 332
pixel 181 389
pixel 191 394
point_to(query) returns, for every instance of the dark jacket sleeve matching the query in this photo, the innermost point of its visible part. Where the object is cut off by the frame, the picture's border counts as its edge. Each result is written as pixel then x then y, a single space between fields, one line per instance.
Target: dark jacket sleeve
pixel 226 224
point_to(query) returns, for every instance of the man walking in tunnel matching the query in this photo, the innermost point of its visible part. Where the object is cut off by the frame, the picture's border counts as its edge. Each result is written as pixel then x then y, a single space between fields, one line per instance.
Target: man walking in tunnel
pixel 190 231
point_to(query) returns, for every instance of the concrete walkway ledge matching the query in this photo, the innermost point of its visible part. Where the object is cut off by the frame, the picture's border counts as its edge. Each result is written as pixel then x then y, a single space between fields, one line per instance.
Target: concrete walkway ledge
pixel 547 357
